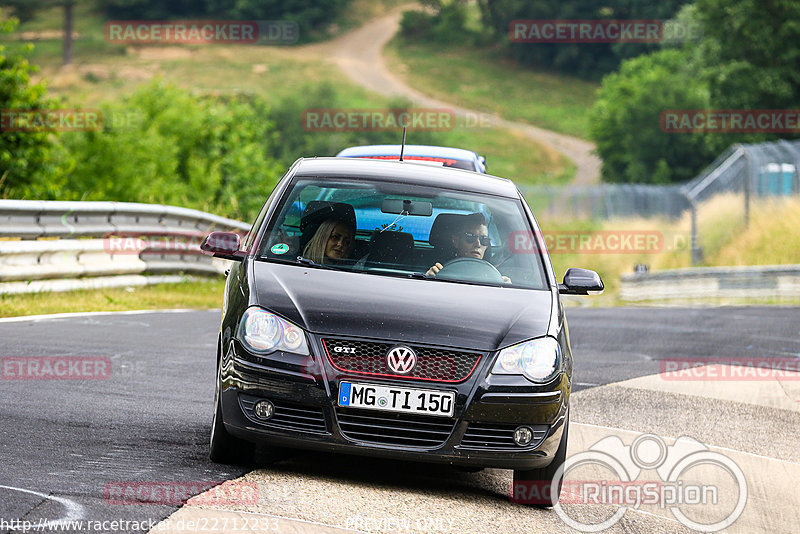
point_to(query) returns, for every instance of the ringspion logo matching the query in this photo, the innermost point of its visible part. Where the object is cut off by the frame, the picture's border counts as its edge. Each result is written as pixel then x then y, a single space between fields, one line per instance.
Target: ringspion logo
pixel 684 478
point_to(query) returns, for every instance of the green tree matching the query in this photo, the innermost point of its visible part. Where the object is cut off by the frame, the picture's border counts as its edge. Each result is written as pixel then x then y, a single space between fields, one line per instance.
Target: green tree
pixel 164 145
pixel 747 59
pixel 625 120
pixel 23 155
pixel 588 60
pixel 750 57
pixel 26 9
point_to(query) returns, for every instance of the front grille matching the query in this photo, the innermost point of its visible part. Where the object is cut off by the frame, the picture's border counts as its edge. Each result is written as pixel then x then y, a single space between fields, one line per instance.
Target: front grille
pixel 499 436
pixel 370 358
pixel 287 416
pixel 395 428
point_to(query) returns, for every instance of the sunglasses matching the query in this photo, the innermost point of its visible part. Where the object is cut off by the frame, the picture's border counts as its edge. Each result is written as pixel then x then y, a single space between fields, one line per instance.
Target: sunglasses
pixel 471 238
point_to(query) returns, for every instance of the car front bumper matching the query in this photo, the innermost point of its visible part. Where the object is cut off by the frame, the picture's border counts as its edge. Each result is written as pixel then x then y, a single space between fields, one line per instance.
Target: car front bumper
pixel 304 392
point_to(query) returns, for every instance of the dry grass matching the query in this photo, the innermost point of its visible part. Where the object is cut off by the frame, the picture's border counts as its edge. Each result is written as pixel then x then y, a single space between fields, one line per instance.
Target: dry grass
pixel 771 238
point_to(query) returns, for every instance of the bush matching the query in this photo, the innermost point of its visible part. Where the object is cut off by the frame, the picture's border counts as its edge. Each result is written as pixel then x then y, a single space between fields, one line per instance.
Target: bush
pixel 446 25
pixel 625 120
pixel 163 145
pixel 23 155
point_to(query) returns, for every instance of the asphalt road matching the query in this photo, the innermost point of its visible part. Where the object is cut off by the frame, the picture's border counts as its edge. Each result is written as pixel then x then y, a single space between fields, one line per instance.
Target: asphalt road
pixel 63 443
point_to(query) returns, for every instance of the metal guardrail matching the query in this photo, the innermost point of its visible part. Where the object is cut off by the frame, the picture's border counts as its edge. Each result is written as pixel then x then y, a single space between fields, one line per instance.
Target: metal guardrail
pixel 773 282
pixel 73 242
pixel 31 219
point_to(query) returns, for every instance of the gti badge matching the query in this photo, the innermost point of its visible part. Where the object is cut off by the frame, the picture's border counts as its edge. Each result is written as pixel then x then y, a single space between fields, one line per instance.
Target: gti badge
pixel 401 360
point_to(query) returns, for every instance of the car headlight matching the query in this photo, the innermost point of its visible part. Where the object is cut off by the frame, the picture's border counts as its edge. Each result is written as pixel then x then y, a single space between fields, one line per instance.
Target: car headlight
pixel 263 332
pixel 538 360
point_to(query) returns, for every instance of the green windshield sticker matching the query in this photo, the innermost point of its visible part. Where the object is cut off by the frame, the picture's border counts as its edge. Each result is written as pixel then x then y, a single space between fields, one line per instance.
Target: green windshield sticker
pixel 280 248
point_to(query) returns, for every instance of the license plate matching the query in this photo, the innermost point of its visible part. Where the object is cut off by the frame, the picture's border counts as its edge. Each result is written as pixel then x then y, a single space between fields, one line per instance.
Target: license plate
pixel 392 399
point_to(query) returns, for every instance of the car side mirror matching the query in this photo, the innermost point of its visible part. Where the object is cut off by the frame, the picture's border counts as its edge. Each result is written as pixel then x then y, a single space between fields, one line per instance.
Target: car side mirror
pixel 581 282
pixel 223 245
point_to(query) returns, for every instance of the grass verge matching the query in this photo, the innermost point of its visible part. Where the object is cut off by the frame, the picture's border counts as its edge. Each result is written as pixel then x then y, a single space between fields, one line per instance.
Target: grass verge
pixel 195 294
pixel 480 79
pixel 104 73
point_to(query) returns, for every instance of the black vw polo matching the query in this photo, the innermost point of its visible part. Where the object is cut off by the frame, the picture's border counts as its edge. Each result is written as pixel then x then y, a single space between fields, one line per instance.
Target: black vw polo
pixel 399 310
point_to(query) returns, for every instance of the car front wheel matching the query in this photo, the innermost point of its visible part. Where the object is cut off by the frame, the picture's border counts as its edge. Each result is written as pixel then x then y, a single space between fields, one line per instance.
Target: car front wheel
pixel 534 486
pixel 225 448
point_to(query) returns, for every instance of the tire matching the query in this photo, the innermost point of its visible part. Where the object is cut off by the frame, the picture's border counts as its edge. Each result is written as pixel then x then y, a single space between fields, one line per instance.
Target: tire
pixel 533 486
pixel 225 448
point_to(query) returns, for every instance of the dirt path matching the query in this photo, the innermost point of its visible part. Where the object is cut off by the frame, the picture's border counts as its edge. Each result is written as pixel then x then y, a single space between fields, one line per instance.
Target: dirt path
pixel 358 54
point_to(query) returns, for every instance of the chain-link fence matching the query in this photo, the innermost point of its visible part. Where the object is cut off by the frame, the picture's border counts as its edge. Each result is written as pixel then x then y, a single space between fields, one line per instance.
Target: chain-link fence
pixel 753 170
pixel 607 201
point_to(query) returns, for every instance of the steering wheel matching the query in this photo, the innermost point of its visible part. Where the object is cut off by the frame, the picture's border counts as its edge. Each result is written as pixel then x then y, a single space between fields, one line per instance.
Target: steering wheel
pixel 470 269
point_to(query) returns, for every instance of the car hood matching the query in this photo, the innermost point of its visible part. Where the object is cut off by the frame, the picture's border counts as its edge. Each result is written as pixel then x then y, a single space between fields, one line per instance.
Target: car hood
pixel 400 309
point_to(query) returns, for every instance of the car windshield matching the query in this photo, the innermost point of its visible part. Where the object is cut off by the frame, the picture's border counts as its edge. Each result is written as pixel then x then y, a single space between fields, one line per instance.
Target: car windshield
pixel 401 230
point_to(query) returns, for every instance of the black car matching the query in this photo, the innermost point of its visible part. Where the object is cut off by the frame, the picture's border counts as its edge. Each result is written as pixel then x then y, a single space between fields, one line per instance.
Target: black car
pixel 396 310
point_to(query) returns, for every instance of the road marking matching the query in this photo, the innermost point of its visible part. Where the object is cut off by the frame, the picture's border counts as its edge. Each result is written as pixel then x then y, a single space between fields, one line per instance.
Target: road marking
pixel 778 392
pixel 74 510
pixel 97 314
pixel 719 447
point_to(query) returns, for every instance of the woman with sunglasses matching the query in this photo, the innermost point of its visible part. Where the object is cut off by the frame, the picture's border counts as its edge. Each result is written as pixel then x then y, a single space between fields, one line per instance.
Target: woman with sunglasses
pixel 470 240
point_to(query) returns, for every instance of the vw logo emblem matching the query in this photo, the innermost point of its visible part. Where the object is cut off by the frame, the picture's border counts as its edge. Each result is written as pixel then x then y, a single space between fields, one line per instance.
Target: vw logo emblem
pixel 401 360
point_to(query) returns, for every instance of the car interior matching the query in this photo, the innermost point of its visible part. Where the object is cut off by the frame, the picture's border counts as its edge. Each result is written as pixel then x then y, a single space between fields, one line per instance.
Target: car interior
pixel 393 247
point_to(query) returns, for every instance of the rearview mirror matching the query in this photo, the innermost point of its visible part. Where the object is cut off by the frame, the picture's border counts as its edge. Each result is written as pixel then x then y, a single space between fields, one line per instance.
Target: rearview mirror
pixel 223 245
pixel 408 207
pixel 581 282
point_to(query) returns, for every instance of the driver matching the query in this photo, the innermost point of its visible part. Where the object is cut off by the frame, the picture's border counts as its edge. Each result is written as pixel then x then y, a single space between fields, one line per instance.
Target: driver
pixel 470 240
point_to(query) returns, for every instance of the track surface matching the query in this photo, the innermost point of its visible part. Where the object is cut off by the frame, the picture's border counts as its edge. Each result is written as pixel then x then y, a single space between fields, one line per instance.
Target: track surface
pixel 150 420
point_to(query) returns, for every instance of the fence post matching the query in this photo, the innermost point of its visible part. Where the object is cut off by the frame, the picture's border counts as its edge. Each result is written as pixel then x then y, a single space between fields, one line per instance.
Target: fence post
pixel 748 179
pixel 697 251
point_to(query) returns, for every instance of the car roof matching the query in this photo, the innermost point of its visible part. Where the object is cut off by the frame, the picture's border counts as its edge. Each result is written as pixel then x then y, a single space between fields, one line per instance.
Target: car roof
pixel 407 172
pixel 411 150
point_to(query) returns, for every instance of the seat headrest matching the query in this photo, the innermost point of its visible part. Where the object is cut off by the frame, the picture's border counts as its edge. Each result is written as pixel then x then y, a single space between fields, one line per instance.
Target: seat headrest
pixel 390 247
pixel 445 225
pixel 394 240
pixel 319 211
